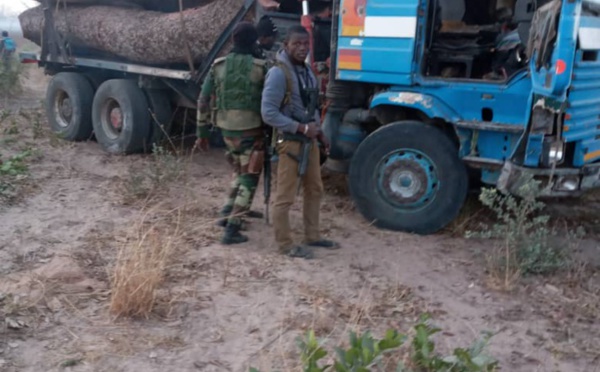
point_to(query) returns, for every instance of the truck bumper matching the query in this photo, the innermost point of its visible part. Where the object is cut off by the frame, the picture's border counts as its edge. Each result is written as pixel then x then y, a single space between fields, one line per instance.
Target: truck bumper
pixel 558 182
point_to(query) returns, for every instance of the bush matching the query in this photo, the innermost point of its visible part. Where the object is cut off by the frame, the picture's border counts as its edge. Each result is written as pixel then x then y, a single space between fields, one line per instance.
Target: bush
pixel 366 353
pixel 9 78
pixel 12 172
pixel 526 245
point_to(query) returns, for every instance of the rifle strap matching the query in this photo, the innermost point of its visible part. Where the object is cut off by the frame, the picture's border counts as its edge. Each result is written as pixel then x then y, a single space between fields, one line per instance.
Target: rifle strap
pixel 287 98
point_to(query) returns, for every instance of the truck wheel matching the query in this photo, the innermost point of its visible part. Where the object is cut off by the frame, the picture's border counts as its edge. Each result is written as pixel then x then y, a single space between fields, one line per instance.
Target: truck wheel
pixel 95 79
pixel 68 106
pixel 121 117
pixel 407 176
pixel 160 116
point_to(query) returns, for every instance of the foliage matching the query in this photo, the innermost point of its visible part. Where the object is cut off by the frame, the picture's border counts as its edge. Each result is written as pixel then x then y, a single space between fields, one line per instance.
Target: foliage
pixel 526 243
pixel 12 171
pixel 424 358
pixel 146 182
pixel 365 353
pixel 9 78
pixel 15 165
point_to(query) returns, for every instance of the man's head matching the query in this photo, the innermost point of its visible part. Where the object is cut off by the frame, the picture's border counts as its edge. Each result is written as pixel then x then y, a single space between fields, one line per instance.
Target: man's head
pixel 297 44
pixel 245 35
pixel 267 33
pixel 4 33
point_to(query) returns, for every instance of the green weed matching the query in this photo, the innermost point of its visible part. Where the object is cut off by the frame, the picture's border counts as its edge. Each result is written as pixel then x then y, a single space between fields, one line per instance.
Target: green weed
pixel 365 354
pixel 12 172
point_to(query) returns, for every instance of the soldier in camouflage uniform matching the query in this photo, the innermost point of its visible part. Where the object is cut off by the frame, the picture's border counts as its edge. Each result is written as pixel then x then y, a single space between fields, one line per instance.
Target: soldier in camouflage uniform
pixel 236 81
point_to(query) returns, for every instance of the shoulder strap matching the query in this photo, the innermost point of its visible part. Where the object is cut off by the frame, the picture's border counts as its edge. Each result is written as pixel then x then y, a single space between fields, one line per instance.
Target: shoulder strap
pixel 288 82
pixel 260 62
pixel 219 60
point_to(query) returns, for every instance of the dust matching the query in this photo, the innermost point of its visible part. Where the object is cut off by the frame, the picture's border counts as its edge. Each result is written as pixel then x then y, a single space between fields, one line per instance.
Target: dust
pixel 228 308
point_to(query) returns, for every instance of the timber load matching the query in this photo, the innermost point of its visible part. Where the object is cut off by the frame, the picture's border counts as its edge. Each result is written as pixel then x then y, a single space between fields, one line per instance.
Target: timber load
pixel 128 30
pixel 156 5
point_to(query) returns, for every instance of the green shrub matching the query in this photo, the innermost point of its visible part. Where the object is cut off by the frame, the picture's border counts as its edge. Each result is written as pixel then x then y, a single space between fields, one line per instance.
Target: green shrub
pixel 525 242
pixel 365 354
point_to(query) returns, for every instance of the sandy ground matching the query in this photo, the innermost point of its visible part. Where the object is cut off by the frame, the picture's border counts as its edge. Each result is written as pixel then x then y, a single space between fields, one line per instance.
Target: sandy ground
pixel 229 308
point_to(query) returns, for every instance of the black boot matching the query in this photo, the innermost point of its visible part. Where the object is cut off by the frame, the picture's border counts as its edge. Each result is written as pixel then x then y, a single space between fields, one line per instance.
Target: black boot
pixel 232 235
pixel 254 214
pixel 223 223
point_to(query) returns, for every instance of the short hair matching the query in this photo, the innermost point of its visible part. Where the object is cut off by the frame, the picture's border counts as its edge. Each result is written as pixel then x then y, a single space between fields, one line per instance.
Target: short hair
pixel 4 33
pixel 295 30
pixel 266 27
pixel 244 34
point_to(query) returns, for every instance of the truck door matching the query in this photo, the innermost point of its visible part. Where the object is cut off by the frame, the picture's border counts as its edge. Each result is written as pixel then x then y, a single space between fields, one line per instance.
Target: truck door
pixel 376 40
pixel 551 47
pixel 565 68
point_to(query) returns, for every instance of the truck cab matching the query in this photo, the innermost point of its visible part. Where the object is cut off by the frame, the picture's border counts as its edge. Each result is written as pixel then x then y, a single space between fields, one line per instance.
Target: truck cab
pixel 421 98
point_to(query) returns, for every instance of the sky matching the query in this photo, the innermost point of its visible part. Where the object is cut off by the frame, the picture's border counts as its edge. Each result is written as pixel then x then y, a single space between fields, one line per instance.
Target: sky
pixel 14 7
pixel 9 10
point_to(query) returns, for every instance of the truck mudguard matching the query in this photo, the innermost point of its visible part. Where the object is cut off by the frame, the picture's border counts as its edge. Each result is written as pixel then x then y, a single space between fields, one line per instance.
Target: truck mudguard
pixel 429 105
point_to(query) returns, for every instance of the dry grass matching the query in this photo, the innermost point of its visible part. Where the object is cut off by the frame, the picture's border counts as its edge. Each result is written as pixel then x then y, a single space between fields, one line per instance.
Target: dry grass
pixel 141 266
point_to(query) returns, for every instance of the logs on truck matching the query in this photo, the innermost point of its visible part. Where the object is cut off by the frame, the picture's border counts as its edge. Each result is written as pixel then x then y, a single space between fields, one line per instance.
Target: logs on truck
pixel 128 30
pixel 157 5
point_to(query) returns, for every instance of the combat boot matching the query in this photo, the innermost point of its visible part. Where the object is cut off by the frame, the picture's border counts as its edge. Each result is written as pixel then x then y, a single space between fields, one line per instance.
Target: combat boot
pixel 223 223
pixel 232 235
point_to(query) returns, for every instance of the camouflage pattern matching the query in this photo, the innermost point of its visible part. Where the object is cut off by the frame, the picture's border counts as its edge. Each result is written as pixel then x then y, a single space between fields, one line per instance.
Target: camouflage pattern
pixel 236 81
pixel 243 187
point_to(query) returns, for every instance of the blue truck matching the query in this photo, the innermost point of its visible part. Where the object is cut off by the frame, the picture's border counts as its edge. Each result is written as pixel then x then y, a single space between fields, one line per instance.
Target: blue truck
pixel 419 102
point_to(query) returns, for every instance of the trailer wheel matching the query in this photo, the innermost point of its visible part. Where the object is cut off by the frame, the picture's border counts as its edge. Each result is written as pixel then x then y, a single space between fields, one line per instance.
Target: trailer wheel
pixel 95 79
pixel 121 117
pixel 69 106
pixel 161 120
pixel 407 176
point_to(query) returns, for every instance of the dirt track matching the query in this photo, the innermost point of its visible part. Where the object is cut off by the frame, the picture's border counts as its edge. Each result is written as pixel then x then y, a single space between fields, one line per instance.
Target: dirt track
pixel 225 309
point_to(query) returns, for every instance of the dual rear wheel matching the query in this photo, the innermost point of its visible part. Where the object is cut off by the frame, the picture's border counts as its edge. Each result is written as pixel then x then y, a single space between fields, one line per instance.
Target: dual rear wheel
pixel 123 117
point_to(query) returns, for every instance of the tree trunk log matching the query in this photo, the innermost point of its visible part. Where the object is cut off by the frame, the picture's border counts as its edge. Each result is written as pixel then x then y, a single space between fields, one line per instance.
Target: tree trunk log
pixel 156 5
pixel 137 35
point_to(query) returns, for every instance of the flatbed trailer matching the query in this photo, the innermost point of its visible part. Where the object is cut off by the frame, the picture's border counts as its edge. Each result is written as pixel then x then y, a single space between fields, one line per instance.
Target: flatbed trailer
pixel 127 107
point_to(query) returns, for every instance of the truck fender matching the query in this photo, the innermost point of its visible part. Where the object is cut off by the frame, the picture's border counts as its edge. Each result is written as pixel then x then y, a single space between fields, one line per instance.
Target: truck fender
pixel 429 105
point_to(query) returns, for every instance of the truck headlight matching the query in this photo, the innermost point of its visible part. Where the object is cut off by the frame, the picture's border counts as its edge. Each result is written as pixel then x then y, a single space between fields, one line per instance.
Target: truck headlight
pixel 556 153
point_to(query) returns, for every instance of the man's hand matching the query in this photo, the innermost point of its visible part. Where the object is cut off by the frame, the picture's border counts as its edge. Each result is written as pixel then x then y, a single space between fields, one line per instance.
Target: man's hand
pixel 313 130
pixel 203 144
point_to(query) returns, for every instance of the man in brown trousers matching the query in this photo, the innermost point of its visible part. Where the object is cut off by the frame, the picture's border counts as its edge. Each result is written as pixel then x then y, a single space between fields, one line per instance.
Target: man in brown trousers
pixel 288 92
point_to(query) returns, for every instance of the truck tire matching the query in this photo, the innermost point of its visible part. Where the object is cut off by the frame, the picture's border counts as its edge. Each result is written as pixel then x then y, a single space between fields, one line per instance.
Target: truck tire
pixel 121 117
pixel 95 79
pixel 407 176
pixel 161 119
pixel 69 106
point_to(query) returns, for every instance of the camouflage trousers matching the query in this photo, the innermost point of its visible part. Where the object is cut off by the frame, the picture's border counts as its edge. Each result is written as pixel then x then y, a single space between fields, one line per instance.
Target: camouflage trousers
pixel 246 173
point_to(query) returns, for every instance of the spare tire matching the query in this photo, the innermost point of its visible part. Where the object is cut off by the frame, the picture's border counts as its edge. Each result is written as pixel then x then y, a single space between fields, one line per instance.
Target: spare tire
pixel 69 100
pixel 121 117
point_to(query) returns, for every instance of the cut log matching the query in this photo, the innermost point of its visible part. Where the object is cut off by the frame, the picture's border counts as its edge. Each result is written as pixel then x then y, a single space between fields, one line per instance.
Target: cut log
pixel 137 35
pixel 157 5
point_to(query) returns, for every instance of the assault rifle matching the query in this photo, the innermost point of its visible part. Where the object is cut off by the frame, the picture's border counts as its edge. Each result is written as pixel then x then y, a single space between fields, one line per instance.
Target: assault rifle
pixel 311 101
pixel 269 151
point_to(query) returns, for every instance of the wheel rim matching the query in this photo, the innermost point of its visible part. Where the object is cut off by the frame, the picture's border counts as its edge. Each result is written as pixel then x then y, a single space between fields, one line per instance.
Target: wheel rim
pixel 63 109
pixel 408 179
pixel 112 119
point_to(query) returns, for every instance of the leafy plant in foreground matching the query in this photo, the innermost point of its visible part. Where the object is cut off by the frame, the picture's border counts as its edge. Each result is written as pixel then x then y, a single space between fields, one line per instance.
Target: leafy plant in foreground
pixel 365 353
